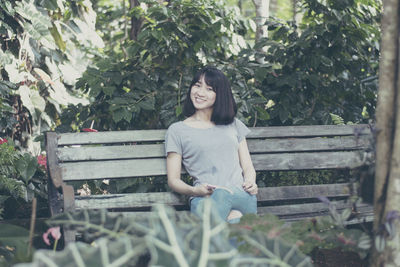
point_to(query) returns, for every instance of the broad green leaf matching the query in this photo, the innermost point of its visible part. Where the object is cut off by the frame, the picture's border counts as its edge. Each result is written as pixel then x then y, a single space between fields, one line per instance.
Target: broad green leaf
pixel 326 61
pixel 58 38
pixel 27 166
pixel 122 114
pixel 314 80
pixel 262 113
pixel 13 235
pixel 108 90
pixel 147 103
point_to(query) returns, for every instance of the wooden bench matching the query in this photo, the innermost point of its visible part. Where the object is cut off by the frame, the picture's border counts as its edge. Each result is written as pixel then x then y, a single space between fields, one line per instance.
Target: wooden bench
pixel 140 153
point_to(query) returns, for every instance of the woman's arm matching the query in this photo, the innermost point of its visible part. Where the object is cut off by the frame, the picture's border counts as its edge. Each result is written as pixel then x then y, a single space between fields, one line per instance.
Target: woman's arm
pixel 249 173
pixel 174 165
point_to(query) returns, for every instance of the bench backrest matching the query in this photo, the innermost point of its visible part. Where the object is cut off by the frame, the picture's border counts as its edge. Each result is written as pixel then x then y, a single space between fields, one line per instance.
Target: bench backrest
pixel 140 153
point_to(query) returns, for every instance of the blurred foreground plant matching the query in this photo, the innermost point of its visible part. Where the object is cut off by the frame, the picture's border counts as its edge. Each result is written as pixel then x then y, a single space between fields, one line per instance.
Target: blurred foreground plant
pixel 164 237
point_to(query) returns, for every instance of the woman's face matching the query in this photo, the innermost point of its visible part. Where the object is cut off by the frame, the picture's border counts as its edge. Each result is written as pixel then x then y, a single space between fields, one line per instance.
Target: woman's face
pixel 202 95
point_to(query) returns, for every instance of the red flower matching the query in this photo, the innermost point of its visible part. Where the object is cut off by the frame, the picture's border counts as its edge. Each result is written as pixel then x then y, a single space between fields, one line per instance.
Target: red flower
pixel 41 159
pixel 89 130
pixel 3 140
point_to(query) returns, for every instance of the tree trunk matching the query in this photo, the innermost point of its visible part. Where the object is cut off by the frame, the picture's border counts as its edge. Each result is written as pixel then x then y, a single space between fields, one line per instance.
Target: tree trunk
pixel 387 173
pixel 136 24
pixel 297 14
pixel 262 14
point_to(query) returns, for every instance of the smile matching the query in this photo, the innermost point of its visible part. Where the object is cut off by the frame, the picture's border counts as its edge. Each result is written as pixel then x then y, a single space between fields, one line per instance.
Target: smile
pixel 198 99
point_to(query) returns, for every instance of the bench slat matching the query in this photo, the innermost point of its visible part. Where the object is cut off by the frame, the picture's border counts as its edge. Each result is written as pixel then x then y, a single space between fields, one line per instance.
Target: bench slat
pixel 265 194
pixel 154 167
pixel 365 212
pixel 109 137
pixel 298 192
pixel 111 152
pixel 296 212
pixel 287 212
pixel 255 146
pixel 87 138
pixel 309 131
pixel 113 169
pixel 309 144
pixel 307 161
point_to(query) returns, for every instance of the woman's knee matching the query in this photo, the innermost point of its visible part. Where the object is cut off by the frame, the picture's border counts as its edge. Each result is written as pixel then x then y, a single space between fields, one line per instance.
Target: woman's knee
pixel 234 216
pixel 245 203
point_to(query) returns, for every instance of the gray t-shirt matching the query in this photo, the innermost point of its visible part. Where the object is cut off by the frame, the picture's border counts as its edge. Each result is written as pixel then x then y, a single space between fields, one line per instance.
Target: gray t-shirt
pixel 209 155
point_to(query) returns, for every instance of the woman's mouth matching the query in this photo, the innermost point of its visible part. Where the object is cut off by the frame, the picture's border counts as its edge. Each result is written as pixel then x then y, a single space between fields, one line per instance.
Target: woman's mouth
pixel 198 99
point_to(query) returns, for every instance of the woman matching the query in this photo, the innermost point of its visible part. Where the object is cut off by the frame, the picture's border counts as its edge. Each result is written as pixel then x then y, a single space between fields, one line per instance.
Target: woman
pixel 212 146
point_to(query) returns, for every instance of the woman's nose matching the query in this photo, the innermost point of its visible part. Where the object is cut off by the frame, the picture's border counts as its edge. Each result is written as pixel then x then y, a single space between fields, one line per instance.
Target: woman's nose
pixel 201 90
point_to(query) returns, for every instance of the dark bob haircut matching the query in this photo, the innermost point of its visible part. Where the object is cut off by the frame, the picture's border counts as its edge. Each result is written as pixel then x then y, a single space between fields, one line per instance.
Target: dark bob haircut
pixel 224 109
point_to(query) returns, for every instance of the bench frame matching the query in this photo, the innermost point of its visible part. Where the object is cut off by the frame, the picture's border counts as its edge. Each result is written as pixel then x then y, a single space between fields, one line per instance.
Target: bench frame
pixel 140 153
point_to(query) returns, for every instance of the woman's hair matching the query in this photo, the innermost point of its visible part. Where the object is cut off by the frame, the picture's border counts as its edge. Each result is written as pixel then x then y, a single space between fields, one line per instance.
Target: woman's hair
pixel 224 109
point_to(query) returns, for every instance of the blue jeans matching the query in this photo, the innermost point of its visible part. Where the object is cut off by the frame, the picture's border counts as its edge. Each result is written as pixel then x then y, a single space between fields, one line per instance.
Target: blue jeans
pixel 225 201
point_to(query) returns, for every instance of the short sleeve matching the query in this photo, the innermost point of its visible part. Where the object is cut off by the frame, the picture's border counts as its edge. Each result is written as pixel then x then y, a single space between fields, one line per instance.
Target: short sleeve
pixel 172 141
pixel 241 129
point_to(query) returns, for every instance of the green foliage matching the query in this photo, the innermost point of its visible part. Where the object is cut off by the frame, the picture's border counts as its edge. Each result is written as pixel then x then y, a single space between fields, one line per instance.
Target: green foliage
pixel 326 65
pixel 14 244
pixel 318 67
pixel 166 238
pixel 21 178
pixel 9 185
pixel 319 233
pixel 306 177
pixel 142 82
pixel 7 118
pixel 46 45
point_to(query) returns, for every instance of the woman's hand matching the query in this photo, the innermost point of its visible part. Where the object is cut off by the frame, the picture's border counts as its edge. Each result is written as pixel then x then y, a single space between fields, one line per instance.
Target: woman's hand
pixel 250 187
pixel 203 190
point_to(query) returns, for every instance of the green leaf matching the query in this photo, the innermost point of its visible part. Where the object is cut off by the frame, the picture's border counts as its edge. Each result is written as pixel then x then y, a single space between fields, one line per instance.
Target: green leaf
pixel 12 235
pixel 261 73
pixel 380 243
pixel 147 104
pixel 346 214
pixel 6 5
pixel 15 237
pixel 178 110
pixel 108 90
pixel 122 114
pixel 314 80
pixel 364 242
pixel 262 113
pixel 58 38
pixel 326 61
pixel 49 4
pixel 27 166
pixel 6 86
pixel 283 115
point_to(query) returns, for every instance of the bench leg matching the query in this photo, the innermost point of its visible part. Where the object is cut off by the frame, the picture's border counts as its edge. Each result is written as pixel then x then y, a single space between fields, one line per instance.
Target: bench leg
pixel 69 236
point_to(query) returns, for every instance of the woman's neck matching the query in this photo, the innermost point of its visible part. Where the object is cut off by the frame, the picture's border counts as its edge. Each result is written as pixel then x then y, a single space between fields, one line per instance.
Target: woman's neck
pixel 202 115
pixel 200 120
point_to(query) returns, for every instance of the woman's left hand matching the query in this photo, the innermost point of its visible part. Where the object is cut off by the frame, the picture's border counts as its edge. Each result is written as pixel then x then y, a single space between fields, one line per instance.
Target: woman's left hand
pixel 250 187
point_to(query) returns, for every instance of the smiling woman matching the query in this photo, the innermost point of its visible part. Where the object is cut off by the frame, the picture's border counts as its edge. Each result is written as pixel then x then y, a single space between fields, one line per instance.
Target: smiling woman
pixel 202 95
pixel 211 145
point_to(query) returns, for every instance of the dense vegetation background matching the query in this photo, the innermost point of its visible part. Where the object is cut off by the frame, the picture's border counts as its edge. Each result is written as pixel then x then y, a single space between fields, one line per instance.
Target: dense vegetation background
pixel 67 65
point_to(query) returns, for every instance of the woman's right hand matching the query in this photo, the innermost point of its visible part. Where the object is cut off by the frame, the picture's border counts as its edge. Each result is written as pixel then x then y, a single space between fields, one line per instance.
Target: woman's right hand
pixel 203 190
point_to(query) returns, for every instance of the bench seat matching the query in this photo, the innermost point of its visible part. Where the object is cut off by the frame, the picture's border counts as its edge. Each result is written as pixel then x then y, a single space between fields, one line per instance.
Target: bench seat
pixel 140 153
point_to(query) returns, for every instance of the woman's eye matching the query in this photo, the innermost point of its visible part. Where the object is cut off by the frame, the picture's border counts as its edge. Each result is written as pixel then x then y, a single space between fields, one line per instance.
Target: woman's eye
pixel 210 89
